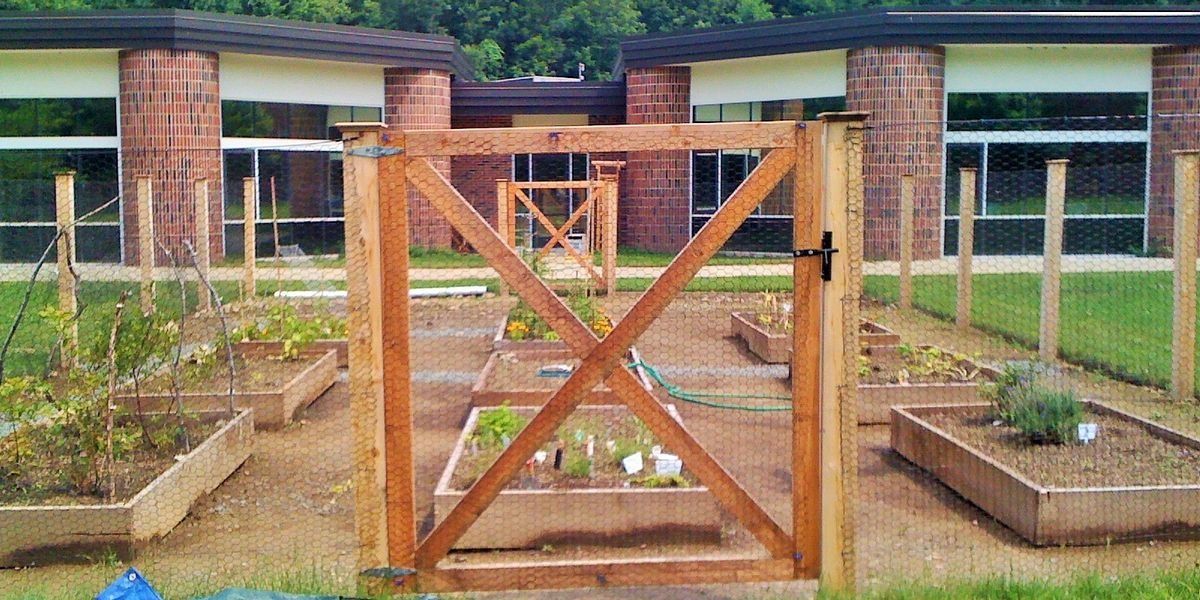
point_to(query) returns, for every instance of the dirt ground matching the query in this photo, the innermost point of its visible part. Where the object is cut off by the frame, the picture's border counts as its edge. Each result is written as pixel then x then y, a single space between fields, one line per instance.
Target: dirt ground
pixel 291 505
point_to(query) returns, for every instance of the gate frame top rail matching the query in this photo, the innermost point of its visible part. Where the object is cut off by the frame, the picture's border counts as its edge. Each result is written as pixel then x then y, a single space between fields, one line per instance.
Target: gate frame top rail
pixel 815 151
pixel 596 138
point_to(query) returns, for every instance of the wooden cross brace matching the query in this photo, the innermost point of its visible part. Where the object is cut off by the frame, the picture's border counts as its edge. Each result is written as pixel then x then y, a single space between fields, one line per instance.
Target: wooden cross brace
pixel 601 358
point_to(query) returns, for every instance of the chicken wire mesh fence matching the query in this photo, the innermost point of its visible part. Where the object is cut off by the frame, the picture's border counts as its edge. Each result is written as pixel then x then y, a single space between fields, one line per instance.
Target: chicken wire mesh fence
pixel 161 404
pixel 1029 304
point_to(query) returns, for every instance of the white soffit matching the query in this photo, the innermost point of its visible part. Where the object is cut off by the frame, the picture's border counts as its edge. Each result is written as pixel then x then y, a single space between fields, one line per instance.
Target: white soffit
pixel 300 81
pixel 1048 69
pixel 807 75
pixel 58 74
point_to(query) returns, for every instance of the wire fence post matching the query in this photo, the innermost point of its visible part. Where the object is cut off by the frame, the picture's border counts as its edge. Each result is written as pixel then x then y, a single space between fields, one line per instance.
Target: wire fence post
pixel 907 190
pixel 1183 338
pixel 1056 192
pixel 966 245
pixel 145 218
pixel 203 235
pixel 64 203
pixel 364 329
pixel 250 205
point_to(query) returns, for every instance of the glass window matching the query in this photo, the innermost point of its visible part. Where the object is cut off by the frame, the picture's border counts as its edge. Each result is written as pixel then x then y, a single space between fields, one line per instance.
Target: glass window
pixel 1046 111
pixel 1102 178
pixel 705 188
pixel 709 113
pixel 958 157
pixel 294 121
pixel 58 117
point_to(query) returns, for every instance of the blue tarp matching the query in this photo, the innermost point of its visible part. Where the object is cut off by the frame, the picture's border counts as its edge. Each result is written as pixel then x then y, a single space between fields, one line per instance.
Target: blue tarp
pixel 129 586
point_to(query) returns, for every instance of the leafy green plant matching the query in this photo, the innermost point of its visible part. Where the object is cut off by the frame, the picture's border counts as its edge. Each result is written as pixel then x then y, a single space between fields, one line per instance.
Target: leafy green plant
pixel 525 324
pixel 934 363
pixel 579 466
pixel 1042 414
pixel 284 324
pixel 498 424
pixel 655 480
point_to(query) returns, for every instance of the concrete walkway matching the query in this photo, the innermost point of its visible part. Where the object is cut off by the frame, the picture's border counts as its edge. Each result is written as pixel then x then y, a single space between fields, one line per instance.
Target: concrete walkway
pixel 943 266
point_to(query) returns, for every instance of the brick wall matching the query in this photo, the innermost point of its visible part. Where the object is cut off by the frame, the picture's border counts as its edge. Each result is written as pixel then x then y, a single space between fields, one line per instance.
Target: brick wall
pixel 1175 91
pixel 420 99
pixel 170 106
pixel 903 89
pixel 654 208
pixel 475 176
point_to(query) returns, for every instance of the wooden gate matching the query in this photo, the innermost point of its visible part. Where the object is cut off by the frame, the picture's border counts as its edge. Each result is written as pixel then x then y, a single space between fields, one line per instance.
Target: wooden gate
pixel 383 166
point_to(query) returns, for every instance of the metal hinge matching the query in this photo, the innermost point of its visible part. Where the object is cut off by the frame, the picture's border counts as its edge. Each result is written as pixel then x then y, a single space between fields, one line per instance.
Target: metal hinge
pixel 375 151
pixel 826 252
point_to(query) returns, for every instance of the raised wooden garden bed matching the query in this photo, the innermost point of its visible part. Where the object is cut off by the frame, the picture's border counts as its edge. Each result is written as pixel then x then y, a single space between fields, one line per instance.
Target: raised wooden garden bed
pixel 500 343
pixel 771 345
pixel 871 334
pixel 511 376
pixel 1141 481
pixel 300 382
pixel 876 395
pixel 546 506
pixel 37 534
pixel 340 346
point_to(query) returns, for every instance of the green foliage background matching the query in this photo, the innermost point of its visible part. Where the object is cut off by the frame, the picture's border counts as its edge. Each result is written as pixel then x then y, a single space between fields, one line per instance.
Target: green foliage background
pixel 509 38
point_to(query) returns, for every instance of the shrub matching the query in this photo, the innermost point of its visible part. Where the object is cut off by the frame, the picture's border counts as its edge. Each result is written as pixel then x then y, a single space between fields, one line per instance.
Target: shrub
pixel 578 466
pixel 1042 414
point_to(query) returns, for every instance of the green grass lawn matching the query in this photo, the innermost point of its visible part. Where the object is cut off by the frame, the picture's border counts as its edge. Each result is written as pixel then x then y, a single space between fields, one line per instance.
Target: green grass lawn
pixel 1160 586
pixel 1117 323
pixel 1035 206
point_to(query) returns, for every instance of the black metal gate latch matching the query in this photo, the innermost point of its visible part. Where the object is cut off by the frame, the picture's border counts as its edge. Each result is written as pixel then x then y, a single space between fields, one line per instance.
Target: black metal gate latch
pixel 826 252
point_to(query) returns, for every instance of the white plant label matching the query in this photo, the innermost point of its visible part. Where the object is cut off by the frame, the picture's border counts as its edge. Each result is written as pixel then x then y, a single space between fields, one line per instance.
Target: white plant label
pixel 540 456
pixel 668 464
pixel 1088 432
pixel 633 463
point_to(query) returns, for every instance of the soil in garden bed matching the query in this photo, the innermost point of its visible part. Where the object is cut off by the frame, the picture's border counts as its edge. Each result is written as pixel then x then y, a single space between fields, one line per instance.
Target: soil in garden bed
pixel 626 433
pixel 916 365
pixel 254 373
pixel 515 371
pixel 1124 453
pixel 45 472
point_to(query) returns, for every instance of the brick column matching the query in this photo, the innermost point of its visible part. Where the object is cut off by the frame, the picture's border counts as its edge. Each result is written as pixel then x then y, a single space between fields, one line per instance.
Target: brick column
pixel 1175 91
pixel 170 129
pixel 655 209
pixel 903 87
pixel 420 99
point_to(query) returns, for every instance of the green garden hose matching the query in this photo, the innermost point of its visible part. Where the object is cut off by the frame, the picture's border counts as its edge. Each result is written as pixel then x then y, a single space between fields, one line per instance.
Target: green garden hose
pixel 678 393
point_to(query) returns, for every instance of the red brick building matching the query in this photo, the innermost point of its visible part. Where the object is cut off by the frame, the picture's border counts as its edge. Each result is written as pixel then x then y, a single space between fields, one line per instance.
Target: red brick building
pixel 176 96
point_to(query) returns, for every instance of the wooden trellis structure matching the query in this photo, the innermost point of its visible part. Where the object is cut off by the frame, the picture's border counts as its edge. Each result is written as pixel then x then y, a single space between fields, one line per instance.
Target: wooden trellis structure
pixel 598 206
pixel 378 177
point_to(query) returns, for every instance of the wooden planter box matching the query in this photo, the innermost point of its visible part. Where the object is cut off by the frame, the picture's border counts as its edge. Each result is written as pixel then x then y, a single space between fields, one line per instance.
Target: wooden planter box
pixel 340 346
pixel 772 348
pixel 621 516
pixel 872 334
pixel 40 534
pixel 487 392
pixel 273 409
pixel 1050 516
pixel 875 400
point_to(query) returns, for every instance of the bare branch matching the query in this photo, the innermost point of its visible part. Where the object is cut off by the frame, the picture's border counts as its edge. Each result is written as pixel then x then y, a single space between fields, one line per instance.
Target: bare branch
pixel 220 307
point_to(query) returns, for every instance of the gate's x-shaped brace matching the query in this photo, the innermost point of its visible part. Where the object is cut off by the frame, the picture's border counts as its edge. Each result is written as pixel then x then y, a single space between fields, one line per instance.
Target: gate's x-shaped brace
pixel 601 358
pixel 558 235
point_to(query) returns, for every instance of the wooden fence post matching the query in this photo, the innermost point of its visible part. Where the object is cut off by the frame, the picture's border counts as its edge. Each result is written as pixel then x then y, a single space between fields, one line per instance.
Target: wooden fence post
pixel 608 235
pixel 64 203
pixel 203 235
pixel 1056 192
pixel 364 324
pixel 504 220
pixel 250 206
pixel 1183 338
pixel 907 190
pixel 145 220
pixel 842 185
pixel 966 245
